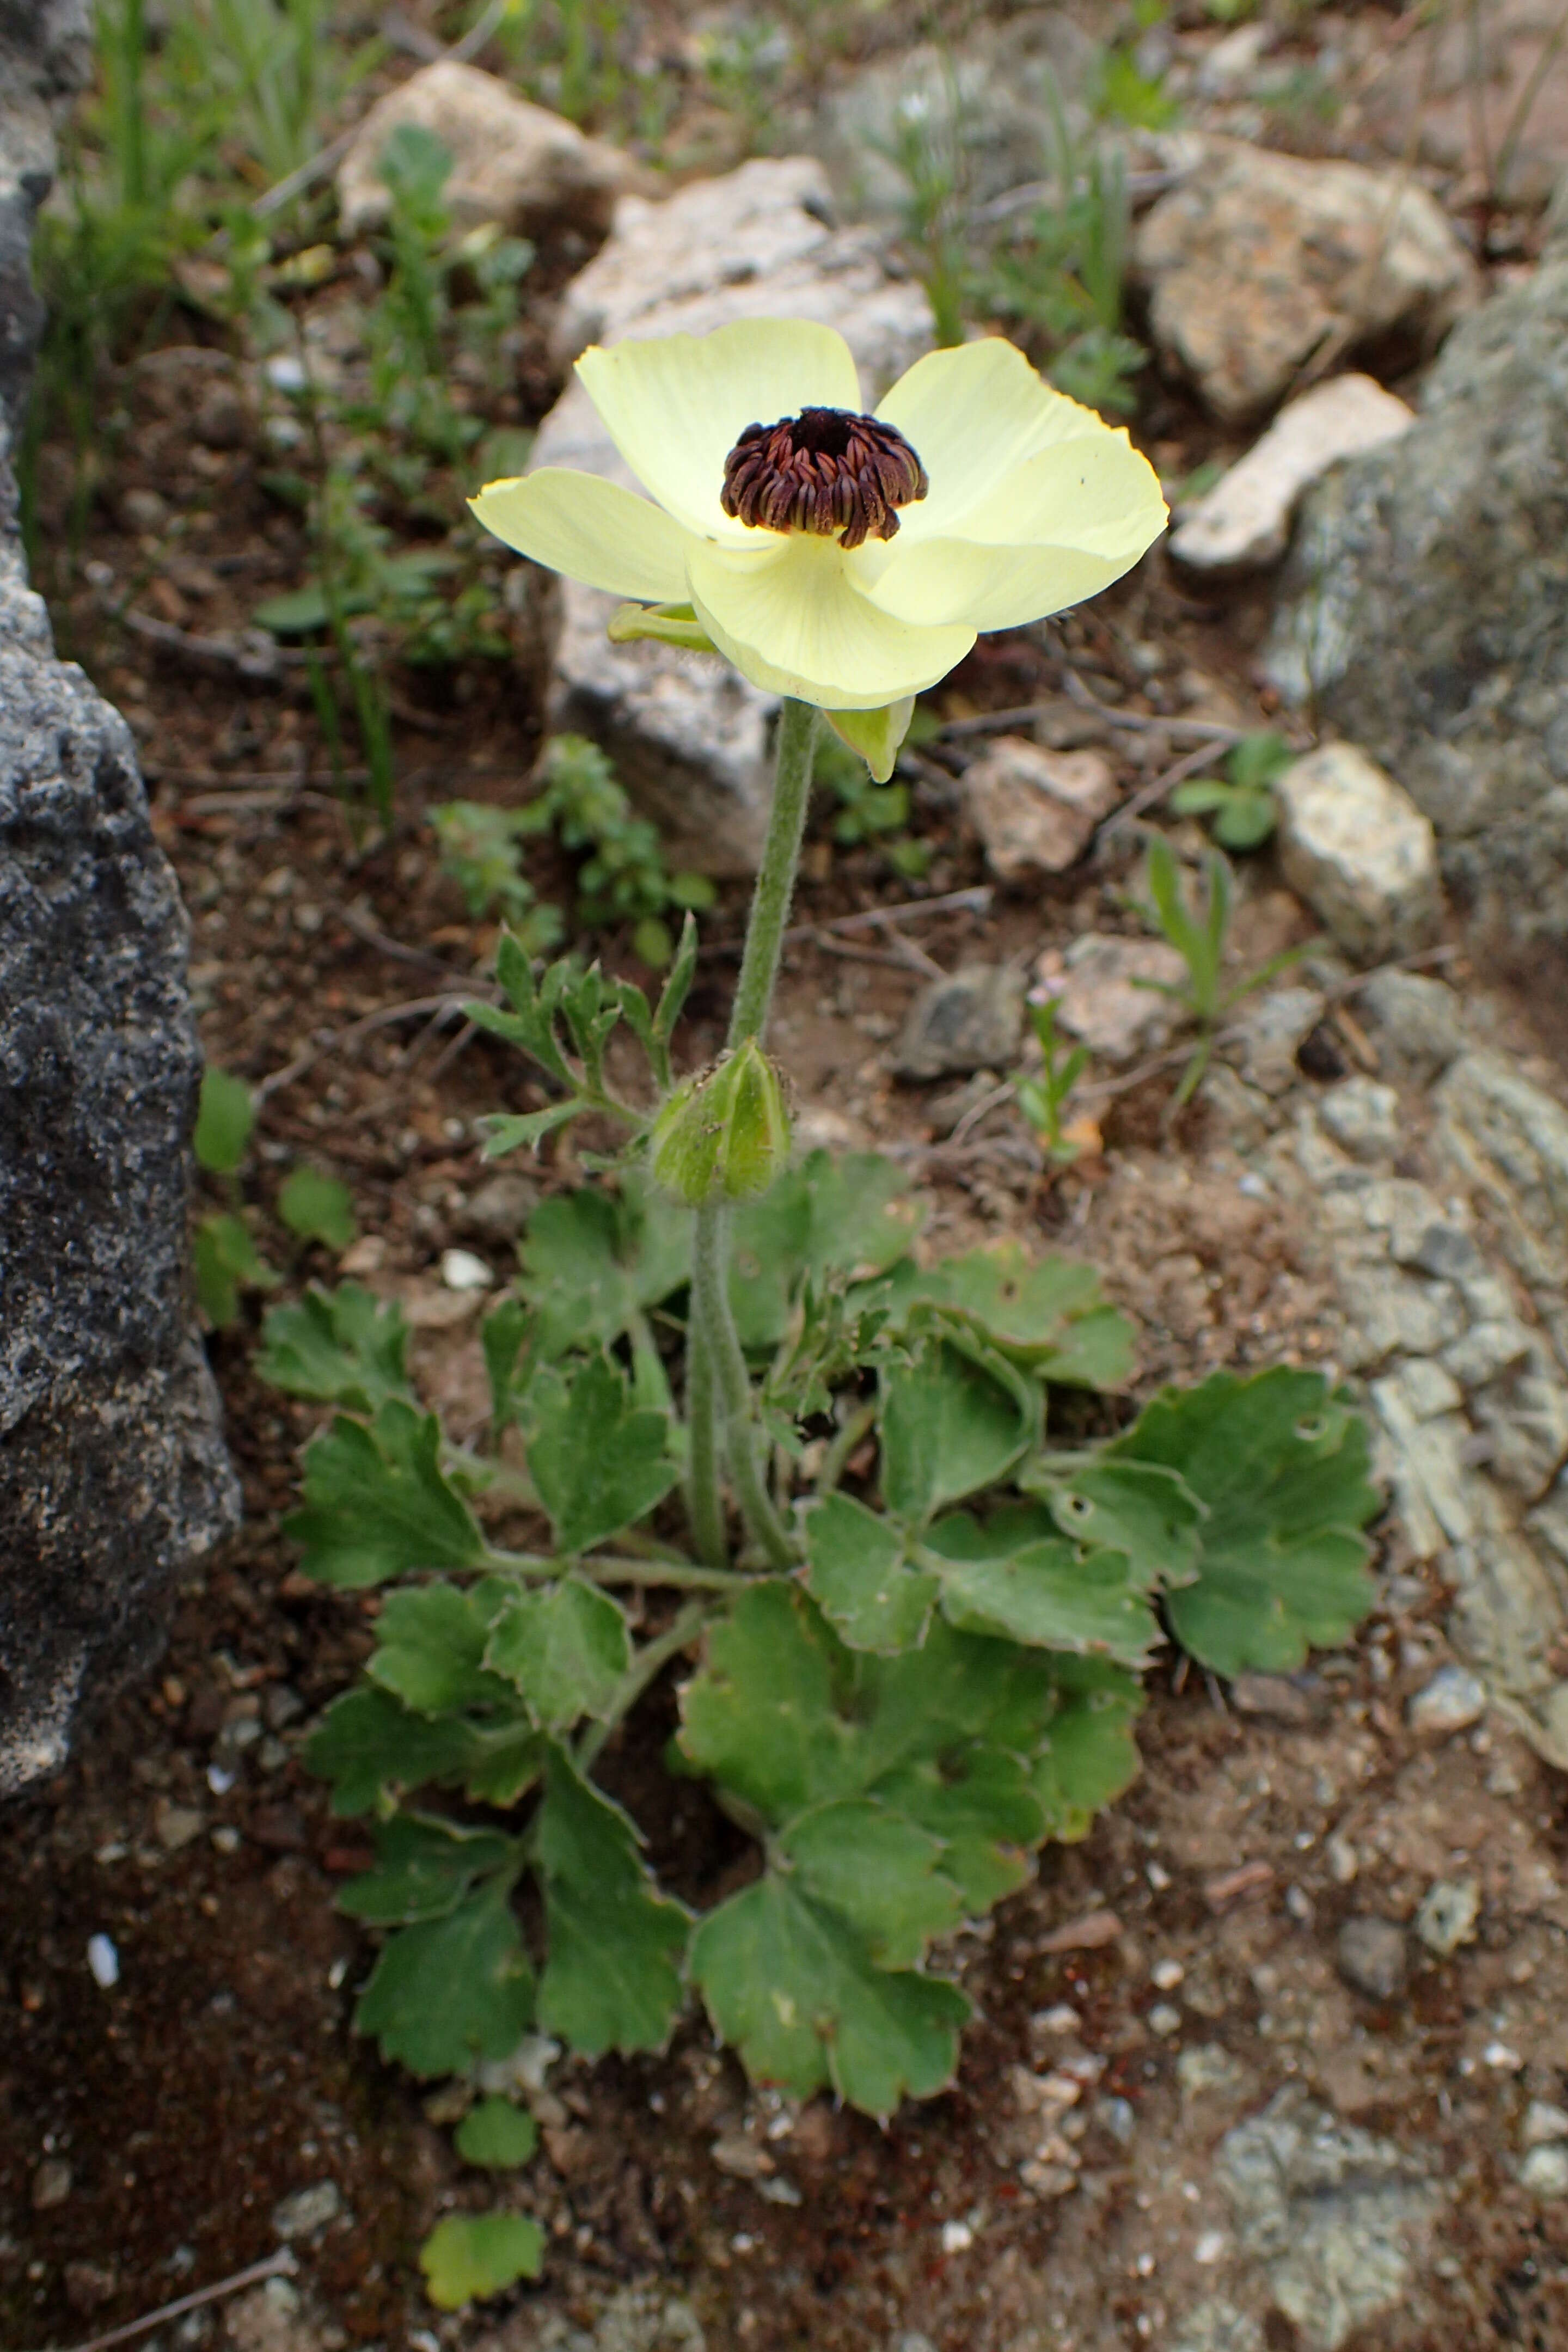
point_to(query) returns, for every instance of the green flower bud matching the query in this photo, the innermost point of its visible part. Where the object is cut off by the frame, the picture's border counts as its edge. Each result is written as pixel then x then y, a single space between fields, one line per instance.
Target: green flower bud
pixel 724 1136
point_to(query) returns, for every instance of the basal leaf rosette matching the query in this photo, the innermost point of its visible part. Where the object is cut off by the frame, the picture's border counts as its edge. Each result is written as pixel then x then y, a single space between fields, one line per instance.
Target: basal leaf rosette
pixel 845 560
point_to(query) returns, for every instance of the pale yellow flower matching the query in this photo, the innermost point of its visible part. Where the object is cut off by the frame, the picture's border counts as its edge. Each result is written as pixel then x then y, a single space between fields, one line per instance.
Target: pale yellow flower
pixel 1033 503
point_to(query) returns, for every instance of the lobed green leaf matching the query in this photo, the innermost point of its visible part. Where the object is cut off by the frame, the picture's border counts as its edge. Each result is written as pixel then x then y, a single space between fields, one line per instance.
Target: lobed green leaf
pixel 496 2135
pixel 564 1647
pixel 793 1989
pixel 468 2256
pixel 378 1502
pixel 1013 1574
pixel 424 1867
pixel 345 1346
pixel 612 1978
pixel 599 1462
pixel 447 1992
pixel 1281 1464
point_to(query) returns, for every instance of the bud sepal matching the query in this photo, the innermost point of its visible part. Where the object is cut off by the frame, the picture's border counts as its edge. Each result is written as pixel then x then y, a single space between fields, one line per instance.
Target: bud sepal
pixel 723 1136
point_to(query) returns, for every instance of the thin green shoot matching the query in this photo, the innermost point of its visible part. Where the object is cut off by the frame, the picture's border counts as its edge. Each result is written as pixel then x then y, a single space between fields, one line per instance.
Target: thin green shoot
pixel 1042 1095
pixel 1241 802
pixel 1199 933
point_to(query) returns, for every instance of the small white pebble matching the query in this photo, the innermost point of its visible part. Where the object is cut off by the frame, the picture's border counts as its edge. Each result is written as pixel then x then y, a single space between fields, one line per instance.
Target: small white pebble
pixel 956 2237
pixel 461 1270
pixel 1144 2265
pixel 103 1961
pixel 1543 2122
pixel 219 1781
pixel 1545 2170
pixel 1063 2019
pixel 1167 1974
pixel 1209 2248
pixel 1499 2055
pixel 1158 1876
pixel 1163 2020
pixel 1253 1186
pixel 1344 1860
pixel 226 1838
pixel 337 1972
pixel 742 2241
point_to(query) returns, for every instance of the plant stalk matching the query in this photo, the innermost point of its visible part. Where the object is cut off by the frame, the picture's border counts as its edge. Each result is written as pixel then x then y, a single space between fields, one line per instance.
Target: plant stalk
pixel 716 1326
pixel 775 876
pixel 704 1505
pixel 645 1668
pixel 719 1387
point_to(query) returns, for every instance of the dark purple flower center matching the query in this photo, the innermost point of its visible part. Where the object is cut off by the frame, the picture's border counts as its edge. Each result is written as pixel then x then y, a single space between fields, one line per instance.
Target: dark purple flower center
pixel 825 470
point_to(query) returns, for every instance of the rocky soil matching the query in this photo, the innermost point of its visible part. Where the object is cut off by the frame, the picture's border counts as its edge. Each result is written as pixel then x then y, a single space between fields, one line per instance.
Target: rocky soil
pixel 1277 2057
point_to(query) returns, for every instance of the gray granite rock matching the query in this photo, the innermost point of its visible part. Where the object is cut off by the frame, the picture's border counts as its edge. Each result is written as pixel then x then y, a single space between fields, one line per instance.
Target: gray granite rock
pixel 1359 851
pixel 1425 607
pixel 1338 2216
pixel 690 737
pixel 1373 1956
pixel 113 1472
pixel 513 163
pixel 1244 521
pixel 1259 262
pixel 969 1020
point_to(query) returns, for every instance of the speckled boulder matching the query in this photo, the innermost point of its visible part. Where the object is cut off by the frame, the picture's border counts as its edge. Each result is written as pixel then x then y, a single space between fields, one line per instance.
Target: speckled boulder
pixel 112 1470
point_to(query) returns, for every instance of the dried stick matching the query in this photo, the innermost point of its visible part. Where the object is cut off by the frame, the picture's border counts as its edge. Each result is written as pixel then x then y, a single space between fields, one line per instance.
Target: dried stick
pixel 279 2265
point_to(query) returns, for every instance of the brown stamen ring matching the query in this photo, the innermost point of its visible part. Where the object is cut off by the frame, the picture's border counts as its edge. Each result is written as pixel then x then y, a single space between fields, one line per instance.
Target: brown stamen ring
pixel 825 470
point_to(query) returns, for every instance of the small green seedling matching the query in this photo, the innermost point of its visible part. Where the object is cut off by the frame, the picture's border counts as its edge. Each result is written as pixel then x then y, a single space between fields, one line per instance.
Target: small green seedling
pixel 1241 803
pixel 1198 936
pixel 1042 1095
pixel 318 1208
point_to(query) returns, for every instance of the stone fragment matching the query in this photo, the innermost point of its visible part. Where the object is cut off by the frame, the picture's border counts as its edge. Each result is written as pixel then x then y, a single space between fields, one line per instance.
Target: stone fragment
pixel 1424 612
pixel 1244 521
pixel 1447 1914
pixel 1371 1957
pixel 1098 1000
pixel 1036 811
pixel 1416 1022
pixel 1364 1117
pixel 1339 2216
pixel 980 98
pixel 1272 1028
pixel 174 1826
pixel 51 2184
pixel 1545 2170
pixel 307 2210
pixel 969 1020
pixel 113 1477
pixel 1543 2122
pixel 1509 1139
pixel 1259 262
pixel 1451 1701
pixel 1215 2325
pixel 1359 851
pixel 690 738
pixel 513 163
pixel 499 1211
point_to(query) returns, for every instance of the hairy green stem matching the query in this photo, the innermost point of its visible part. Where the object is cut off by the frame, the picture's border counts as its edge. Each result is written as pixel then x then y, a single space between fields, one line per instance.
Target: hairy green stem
pixel 704 1507
pixel 775 876
pixel 605 1568
pixel 839 1448
pixel 716 1325
pixel 719 1387
pixel 648 1663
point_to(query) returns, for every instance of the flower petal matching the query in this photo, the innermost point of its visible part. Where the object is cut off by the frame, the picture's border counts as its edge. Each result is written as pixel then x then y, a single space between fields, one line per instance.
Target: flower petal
pixel 675 404
pixel 592 529
pixel 971 415
pixel 789 616
pixel 1057 529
